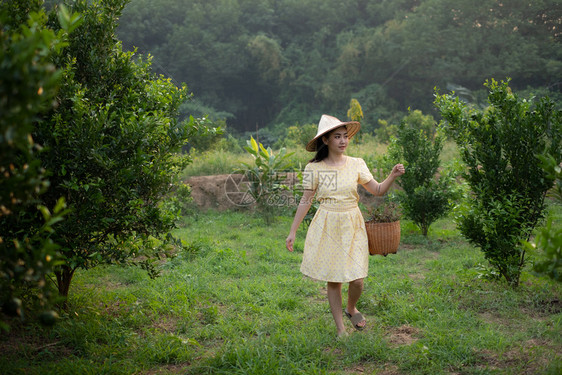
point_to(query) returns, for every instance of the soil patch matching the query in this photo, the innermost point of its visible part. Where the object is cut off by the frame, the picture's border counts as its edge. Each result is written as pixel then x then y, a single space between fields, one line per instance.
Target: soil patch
pixel 168 369
pixel 403 335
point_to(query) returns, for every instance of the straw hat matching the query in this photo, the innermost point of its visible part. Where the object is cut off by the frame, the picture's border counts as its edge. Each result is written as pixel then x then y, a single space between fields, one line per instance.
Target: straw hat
pixel 328 123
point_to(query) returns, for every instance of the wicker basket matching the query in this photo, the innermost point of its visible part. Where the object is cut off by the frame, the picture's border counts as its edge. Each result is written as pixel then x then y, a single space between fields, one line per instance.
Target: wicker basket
pixel 384 238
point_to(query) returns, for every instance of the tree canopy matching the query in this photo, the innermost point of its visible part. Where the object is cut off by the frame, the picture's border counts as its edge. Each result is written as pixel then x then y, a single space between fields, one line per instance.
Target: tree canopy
pixel 279 62
pixel 28 83
pixel 106 143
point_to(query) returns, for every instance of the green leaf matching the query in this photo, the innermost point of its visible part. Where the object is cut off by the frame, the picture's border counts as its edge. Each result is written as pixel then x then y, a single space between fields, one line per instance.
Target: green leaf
pixel 45 212
pixel 264 152
pixel 250 151
pixel 64 17
pixel 254 145
pixel 61 205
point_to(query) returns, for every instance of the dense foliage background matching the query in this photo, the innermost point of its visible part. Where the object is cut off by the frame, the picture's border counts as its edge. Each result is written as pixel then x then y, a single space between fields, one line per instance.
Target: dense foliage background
pixel 274 63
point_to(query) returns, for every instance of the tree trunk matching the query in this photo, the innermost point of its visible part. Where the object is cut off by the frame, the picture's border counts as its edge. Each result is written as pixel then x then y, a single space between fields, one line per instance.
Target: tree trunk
pixel 424 229
pixel 64 277
pixel 512 278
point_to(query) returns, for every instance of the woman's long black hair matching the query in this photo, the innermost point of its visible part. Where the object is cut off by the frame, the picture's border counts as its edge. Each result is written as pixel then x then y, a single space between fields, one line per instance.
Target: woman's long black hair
pixel 322 148
pixel 321 151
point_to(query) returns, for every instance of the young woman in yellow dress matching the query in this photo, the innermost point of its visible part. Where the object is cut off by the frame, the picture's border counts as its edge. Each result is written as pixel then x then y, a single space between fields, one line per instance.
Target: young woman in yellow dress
pixel 336 247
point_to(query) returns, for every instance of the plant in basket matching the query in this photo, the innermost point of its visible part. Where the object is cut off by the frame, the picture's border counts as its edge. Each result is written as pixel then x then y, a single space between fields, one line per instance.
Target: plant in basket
pixel 383 228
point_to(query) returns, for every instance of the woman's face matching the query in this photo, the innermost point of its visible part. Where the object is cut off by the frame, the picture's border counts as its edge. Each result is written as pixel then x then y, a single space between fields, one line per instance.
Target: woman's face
pixel 337 140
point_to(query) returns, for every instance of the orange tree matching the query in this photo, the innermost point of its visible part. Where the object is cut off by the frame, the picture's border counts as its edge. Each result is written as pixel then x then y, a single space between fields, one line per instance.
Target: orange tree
pixel 501 146
pixel 28 83
pixel 110 147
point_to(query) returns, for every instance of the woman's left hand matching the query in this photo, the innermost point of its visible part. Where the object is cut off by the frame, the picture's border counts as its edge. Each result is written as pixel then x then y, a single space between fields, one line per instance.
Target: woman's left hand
pixel 398 170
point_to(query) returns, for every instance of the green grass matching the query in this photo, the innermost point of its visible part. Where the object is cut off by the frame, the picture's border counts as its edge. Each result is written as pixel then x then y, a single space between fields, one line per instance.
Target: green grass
pixel 236 303
pixel 215 162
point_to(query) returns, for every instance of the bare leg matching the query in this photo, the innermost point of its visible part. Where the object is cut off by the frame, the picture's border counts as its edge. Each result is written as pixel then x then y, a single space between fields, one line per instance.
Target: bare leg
pixel 334 298
pixel 353 294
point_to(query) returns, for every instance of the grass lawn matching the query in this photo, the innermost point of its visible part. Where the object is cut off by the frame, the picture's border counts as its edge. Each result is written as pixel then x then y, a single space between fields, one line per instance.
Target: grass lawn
pixel 236 303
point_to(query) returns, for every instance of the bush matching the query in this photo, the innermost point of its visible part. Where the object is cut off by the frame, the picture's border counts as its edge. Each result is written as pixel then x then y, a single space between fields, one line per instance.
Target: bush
pixel 500 146
pixel 426 197
pixel 206 134
pixel 417 120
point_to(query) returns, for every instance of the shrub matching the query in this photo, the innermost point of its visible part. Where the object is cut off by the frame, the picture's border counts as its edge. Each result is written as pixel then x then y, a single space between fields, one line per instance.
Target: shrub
pixel 207 134
pixel 426 197
pixel 500 146
pixel 417 120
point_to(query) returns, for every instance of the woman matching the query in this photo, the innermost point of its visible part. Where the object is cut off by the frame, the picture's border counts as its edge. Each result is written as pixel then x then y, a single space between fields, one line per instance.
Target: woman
pixel 336 247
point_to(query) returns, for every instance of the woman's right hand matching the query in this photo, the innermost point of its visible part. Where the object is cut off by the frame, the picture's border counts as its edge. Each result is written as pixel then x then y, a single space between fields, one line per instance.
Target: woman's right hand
pixel 398 170
pixel 290 242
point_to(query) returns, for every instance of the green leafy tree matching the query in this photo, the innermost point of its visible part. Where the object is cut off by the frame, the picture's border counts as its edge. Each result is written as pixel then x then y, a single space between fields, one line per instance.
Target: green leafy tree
pixel 355 112
pixel 110 149
pixel 28 83
pixel 499 146
pixel 427 193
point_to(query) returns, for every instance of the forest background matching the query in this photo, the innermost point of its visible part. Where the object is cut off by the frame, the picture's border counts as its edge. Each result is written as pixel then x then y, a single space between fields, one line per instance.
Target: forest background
pixel 268 64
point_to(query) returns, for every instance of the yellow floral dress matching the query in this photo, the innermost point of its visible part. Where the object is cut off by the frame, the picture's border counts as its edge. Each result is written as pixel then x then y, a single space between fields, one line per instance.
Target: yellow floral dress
pixel 336 247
